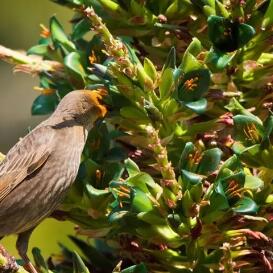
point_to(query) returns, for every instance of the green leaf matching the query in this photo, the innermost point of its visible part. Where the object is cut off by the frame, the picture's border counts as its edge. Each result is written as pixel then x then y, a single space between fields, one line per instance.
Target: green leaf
pixel 141 181
pixel 151 217
pixel 250 155
pixel 199 106
pixel 218 60
pixel 117 216
pixel 253 182
pixel 134 114
pixel 140 268
pixel 116 154
pixel 73 62
pixel 78 264
pixel 166 83
pixel 228 36
pixel 171 60
pixel 245 34
pixel 210 161
pixel 94 255
pixel 96 198
pixel 190 179
pixel 39 260
pixel 231 163
pixel 246 206
pixel 59 37
pixel 150 69
pixel 196 192
pixel 194 86
pixel 131 167
pixel 40 50
pixel 218 198
pixel 208 10
pixel 190 63
pixel 81 28
pixel 268 17
pixel 113 7
pixel 248 129
pixel 194 48
pixel 268 127
pixel 221 9
pixel 140 201
pixel 184 159
pixel 187 204
pixel 44 104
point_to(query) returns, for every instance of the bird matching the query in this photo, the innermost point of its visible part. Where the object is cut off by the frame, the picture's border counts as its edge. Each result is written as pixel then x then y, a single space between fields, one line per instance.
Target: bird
pixel 39 169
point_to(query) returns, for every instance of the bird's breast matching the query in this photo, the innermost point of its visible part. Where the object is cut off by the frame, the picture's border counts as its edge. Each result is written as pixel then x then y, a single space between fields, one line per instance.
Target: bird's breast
pixel 39 194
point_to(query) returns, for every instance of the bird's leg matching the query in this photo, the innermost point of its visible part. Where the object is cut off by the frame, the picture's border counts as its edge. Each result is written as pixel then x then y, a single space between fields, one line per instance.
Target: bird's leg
pixel 22 246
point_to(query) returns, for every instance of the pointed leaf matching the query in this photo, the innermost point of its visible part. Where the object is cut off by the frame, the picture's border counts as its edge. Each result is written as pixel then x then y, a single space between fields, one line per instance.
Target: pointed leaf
pixel 78 264
pixel 210 161
pixel 194 48
pixel 171 59
pixel 218 199
pixel 39 259
pixel 134 114
pixel 40 50
pixel 150 69
pixel 191 178
pixel 190 63
pixel 81 28
pixel 44 104
pixel 246 206
pixel 199 106
pixel 140 268
pixel 166 83
pixel 184 159
pixel 73 62
pixel 253 182
pixel 131 167
pixel 195 85
pixel 268 17
pixel 94 255
pixel 248 130
pixel 218 60
pixel 58 35
pixel 228 36
pixel 140 201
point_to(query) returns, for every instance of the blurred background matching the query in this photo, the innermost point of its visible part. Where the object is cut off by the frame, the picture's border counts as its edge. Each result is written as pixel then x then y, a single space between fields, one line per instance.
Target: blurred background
pixel 19 29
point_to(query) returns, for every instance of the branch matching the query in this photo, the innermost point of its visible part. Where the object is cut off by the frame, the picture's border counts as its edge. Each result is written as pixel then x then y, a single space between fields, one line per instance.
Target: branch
pixel 31 64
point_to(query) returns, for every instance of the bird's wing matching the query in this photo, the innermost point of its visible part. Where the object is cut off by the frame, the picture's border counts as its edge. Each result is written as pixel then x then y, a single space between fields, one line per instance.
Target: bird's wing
pixel 28 155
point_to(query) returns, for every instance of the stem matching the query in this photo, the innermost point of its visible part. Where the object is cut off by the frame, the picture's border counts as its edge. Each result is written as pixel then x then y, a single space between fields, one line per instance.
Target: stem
pixel 161 157
pixel 30 64
pixel 114 47
pixel 125 69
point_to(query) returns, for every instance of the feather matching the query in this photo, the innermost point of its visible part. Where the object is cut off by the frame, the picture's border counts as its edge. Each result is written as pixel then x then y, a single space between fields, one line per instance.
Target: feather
pixel 27 156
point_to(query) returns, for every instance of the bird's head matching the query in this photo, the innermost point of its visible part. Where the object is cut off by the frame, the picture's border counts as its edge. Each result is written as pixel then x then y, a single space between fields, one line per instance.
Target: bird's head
pixel 82 106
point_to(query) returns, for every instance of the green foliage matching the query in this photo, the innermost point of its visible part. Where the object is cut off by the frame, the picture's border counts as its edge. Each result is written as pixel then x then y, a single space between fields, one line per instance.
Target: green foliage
pixel 177 177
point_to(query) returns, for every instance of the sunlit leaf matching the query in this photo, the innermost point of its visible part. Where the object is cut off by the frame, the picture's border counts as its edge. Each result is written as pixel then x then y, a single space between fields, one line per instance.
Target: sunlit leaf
pixel 58 35
pixel 246 206
pixel 44 104
pixel 195 85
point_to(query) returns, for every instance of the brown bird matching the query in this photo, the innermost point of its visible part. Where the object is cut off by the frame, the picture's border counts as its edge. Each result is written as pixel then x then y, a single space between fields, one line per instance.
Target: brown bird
pixel 38 170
